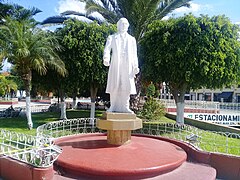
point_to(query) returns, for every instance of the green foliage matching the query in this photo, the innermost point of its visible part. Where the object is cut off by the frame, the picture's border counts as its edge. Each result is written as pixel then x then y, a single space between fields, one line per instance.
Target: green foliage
pixel 28 47
pixel 17 79
pixel 6 85
pixel 157 93
pixel 150 92
pixel 138 12
pixel 17 12
pixel 152 110
pixel 192 51
pixel 83 45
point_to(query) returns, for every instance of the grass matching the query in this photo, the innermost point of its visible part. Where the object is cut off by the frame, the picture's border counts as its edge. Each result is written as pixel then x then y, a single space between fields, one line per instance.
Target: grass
pixel 215 142
pixel 209 141
pixel 19 124
pixel 163 119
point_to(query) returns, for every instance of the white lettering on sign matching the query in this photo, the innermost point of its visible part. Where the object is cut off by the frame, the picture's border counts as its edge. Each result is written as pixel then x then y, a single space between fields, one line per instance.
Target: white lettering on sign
pixel 225 119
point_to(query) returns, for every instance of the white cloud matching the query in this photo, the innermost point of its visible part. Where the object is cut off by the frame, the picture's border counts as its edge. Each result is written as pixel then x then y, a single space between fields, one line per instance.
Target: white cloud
pixel 50 28
pixel 6 66
pixel 165 17
pixel 194 7
pixel 238 23
pixel 73 5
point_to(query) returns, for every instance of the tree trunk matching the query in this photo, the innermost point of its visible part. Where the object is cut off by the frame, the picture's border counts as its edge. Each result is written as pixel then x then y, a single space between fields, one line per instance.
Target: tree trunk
pixel 74 102
pixel 58 95
pixel 63 110
pixel 93 90
pixel 28 112
pixel 179 95
pixel 63 105
pixel 27 83
pixel 180 112
pixel 21 94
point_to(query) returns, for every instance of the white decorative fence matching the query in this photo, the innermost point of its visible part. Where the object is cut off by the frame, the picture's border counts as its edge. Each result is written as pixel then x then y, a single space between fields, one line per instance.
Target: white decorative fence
pixel 210 141
pixel 67 127
pixel 170 103
pixel 39 152
pixel 205 105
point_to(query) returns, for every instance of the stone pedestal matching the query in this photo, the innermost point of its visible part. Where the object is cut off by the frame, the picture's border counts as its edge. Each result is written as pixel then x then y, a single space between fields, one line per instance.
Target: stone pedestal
pixel 119 126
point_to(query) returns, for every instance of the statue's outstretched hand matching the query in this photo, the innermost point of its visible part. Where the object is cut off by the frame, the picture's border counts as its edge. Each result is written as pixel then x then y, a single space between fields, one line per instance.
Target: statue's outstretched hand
pixel 136 70
pixel 106 63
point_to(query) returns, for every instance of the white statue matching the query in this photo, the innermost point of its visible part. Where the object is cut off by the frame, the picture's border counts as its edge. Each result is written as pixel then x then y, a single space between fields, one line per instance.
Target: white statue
pixel 123 67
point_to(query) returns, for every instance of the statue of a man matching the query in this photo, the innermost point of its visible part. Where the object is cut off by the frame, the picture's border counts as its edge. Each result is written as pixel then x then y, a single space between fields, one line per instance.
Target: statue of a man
pixel 123 67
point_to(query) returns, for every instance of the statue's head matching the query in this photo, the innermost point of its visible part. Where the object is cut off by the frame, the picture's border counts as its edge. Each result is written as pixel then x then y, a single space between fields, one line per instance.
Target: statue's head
pixel 122 25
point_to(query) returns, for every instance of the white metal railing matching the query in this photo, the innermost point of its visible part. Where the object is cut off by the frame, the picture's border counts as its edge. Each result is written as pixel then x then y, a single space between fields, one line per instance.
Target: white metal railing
pixel 210 141
pixel 230 106
pixel 192 104
pixel 67 127
pixel 37 108
pixel 204 105
pixel 201 139
pixel 39 152
pixel 9 99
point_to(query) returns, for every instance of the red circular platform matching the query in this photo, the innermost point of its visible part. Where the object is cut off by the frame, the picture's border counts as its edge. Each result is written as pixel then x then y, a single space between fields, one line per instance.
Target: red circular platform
pixel 90 155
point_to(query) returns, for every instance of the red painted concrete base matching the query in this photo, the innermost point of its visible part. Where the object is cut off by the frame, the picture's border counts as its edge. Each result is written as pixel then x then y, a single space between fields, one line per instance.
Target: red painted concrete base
pixel 11 169
pixel 91 156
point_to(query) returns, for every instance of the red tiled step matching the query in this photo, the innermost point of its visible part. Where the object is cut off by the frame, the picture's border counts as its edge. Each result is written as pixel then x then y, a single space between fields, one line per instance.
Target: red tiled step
pixel 189 171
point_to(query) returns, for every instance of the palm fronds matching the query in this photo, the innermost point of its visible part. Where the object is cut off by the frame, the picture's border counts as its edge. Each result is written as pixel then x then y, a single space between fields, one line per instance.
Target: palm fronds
pixel 167 6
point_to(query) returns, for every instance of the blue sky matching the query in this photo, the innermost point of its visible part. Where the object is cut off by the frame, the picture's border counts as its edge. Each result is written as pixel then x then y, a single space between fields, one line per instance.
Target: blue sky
pixel 231 8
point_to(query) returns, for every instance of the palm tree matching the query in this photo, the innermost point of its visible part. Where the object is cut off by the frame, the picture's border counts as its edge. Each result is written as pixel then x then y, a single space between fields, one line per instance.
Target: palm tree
pixel 16 11
pixel 29 48
pixel 58 20
pixel 138 12
pixel 6 86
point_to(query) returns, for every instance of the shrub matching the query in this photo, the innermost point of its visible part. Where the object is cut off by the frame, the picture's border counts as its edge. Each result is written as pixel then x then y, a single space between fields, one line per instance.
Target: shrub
pixel 150 90
pixel 152 110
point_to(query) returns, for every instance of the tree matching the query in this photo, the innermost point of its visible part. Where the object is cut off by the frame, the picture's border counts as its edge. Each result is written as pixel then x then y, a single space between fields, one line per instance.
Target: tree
pixel 17 79
pixel 138 12
pixel 4 10
pixel 190 53
pixel 59 19
pixel 6 86
pixel 84 44
pixel 28 47
pixel 73 81
pixel 16 11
